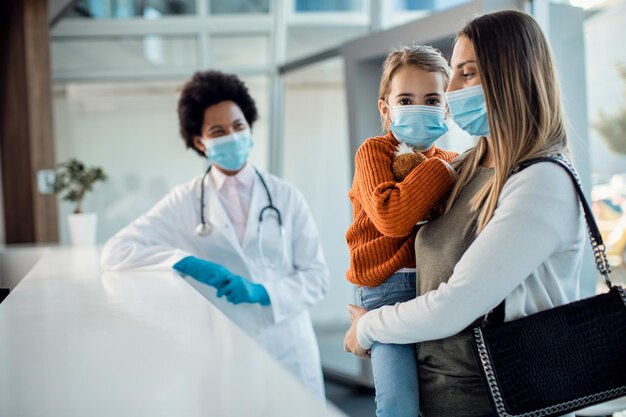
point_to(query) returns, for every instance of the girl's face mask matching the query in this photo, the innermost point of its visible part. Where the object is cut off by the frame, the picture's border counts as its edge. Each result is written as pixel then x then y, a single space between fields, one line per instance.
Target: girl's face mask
pixel 418 125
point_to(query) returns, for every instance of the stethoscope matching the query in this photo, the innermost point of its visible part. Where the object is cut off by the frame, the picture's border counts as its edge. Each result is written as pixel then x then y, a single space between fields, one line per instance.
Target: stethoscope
pixel 205 228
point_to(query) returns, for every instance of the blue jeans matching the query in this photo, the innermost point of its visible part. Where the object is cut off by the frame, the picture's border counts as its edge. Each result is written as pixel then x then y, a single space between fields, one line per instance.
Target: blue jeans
pixel 394 366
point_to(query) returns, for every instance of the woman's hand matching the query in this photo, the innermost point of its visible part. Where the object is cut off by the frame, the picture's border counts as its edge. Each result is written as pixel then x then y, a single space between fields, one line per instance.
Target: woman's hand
pixel 350 342
pixel 239 290
pixel 204 271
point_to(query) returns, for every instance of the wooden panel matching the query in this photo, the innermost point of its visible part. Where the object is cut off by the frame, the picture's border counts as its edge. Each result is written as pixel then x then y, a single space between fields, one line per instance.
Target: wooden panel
pixel 18 204
pixel 38 73
pixel 26 142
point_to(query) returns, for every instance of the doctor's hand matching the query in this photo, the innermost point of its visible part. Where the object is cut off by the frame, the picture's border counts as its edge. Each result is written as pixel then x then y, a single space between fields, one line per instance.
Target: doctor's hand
pixel 351 342
pixel 240 290
pixel 207 272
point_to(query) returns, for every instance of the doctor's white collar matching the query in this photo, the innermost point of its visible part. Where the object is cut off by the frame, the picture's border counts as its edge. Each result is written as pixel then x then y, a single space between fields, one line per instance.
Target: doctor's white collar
pixel 245 176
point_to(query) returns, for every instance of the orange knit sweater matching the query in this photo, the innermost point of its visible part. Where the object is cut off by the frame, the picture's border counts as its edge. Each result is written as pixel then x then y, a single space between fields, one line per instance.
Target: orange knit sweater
pixel 382 234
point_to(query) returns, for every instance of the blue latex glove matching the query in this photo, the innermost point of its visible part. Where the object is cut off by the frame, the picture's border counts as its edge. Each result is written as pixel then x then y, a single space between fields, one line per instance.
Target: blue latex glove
pixel 207 272
pixel 240 290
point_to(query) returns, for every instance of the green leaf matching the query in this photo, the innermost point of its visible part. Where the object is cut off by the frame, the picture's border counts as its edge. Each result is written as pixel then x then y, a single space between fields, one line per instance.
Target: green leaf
pixel 74 180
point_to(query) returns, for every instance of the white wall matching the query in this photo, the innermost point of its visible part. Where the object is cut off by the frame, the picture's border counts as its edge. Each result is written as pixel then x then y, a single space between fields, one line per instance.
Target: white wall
pixel 317 161
pixel 131 130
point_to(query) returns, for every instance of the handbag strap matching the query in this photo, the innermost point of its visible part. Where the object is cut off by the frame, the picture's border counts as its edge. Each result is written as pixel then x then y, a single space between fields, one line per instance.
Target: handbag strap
pixel 599 250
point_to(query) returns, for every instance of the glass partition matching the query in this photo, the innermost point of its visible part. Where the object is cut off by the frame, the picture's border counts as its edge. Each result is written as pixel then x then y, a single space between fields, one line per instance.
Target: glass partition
pixel 328 5
pixel 303 40
pixel 123 9
pixel 397 12
pixel 123 53
pixel 606 110
pixel 316 159
pixel 238 6
pixel 239 51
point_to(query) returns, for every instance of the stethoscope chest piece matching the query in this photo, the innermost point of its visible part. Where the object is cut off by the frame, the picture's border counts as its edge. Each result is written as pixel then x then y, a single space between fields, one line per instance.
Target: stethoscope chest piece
pixel 204 229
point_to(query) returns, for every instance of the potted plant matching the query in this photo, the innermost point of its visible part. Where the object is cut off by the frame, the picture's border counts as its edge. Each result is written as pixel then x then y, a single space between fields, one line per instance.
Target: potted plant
pixel 75 180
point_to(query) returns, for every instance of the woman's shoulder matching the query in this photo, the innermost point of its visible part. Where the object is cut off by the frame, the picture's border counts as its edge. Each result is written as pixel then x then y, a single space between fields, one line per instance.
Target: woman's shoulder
pixel 545 176
pixel 188 186
pixel 185 190
pixel 542 199
pixel 544 191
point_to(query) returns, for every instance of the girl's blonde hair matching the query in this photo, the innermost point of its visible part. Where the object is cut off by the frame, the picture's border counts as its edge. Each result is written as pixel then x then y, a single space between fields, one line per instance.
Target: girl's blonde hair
pixel 523 100
pixel 424 57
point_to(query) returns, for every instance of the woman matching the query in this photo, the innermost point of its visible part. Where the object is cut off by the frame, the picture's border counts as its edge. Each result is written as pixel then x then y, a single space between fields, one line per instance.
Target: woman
pixel 219 230
pixel 517 238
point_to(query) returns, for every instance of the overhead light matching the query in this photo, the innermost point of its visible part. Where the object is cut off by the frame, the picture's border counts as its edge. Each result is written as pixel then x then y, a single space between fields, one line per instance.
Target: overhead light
pixel 588 4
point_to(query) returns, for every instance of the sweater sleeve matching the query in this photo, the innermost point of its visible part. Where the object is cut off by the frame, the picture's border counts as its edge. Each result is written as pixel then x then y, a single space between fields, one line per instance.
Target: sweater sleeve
pixel 538 214
pixel 395 207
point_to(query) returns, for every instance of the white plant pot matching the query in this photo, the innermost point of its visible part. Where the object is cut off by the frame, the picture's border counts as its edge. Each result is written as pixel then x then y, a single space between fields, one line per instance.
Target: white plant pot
pixel 83 228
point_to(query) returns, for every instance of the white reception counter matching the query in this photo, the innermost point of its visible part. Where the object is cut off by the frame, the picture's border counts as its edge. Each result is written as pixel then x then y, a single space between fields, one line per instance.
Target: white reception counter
pixel 78 342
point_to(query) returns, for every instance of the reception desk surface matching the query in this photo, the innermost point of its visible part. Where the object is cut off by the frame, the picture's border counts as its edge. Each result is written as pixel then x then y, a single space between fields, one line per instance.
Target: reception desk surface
pixel 78 342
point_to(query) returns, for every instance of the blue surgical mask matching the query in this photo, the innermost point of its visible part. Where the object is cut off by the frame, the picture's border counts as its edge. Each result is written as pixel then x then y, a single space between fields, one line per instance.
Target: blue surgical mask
pixel 469 111
pixel 231 151
pixel 418 126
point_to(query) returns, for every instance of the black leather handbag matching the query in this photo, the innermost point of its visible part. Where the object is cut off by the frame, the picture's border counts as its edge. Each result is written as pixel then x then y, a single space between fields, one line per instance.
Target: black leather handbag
pixel 562 359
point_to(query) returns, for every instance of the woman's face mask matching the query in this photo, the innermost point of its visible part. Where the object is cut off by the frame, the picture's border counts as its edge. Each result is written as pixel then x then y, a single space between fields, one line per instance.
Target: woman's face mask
pixel 469 110
pixel 417 125
pixel 231 151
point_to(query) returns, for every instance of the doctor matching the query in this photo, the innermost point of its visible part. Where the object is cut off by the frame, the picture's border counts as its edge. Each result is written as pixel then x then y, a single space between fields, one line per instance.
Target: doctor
pixel 243 238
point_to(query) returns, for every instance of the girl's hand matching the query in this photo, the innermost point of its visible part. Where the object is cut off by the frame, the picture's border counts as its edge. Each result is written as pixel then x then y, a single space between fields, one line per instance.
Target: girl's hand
pixel 350 342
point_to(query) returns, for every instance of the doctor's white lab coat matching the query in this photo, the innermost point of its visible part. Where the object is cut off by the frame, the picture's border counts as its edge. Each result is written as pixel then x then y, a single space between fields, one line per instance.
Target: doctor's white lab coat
pixel 166 234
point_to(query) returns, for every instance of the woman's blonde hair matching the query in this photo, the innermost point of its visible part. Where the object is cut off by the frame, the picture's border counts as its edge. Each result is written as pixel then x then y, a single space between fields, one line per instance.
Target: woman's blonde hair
pixel 423 57
pixel 523 100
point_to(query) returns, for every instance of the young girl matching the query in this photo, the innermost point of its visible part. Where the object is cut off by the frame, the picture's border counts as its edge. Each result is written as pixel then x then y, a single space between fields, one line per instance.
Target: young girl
pixel 387 209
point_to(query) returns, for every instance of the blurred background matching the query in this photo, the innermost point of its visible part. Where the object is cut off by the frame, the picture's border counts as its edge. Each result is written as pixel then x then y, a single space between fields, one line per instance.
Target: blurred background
pixel 108 78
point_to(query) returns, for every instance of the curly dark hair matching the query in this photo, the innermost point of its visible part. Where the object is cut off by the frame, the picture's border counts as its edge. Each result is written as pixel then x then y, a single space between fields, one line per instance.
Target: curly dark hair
pixel 205 89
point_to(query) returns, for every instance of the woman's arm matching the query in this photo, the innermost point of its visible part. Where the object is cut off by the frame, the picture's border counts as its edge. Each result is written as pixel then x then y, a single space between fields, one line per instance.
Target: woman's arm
pixel 395 207
pixel 149 241
pixel 538 214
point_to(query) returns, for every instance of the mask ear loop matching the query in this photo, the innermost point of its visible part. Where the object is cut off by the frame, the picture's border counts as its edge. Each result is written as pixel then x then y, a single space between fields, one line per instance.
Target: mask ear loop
pixel 446 112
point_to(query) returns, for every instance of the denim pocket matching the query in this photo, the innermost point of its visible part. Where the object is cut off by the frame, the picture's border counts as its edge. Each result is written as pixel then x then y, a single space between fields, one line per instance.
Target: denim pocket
pixel 383 295
pixel 397 289
pixel 370 298
pixel 400 293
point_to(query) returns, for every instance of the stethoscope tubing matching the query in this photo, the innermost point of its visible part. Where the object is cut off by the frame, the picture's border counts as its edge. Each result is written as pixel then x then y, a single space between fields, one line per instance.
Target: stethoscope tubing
pixel 270 206
pixel 206 228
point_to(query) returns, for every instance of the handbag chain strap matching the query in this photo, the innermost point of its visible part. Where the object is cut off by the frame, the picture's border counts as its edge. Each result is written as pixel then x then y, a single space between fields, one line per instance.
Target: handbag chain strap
pixel 599 250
